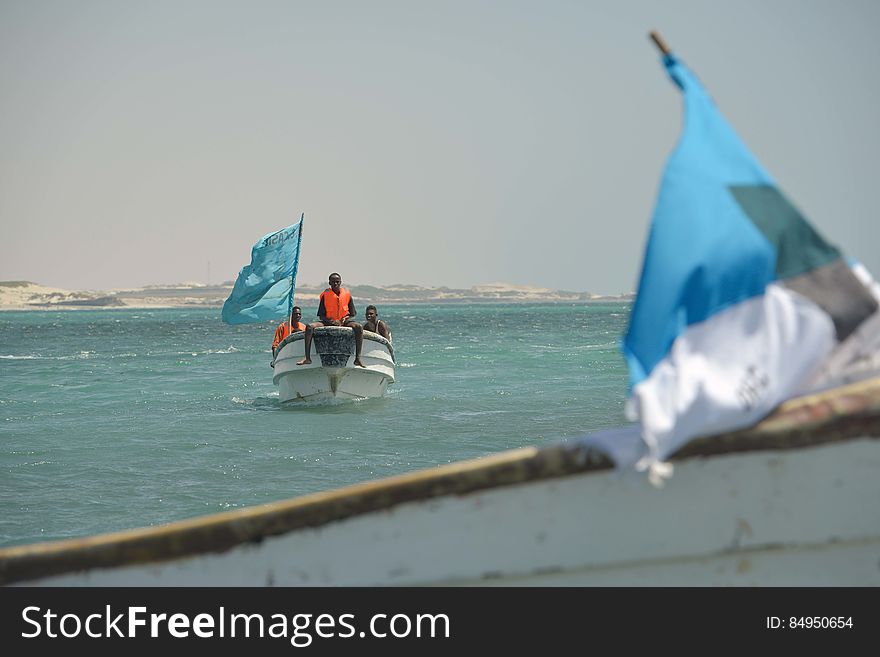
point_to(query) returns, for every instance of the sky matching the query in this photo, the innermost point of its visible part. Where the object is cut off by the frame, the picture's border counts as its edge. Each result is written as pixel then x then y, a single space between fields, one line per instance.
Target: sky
pixel 427 142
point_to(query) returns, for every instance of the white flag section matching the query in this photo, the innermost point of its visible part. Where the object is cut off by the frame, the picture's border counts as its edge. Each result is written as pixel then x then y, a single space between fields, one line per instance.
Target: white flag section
pixel 732 369
pixel 857 357
pixel 741 303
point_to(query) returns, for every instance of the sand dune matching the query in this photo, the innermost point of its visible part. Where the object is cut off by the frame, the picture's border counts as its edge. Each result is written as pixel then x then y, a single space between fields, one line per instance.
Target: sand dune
pixel 24 295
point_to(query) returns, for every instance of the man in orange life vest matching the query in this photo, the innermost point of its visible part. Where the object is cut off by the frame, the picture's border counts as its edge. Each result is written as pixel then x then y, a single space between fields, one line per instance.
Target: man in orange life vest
pixel 336 309
pixel 286 328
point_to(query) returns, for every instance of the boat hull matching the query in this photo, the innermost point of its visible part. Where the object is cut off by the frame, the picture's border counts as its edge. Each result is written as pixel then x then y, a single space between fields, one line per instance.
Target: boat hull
pixel 332 374
pixel 790 502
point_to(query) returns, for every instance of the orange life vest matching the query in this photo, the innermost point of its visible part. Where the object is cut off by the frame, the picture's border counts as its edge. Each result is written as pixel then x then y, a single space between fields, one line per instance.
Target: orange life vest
pixel 283 331
pixel 336 307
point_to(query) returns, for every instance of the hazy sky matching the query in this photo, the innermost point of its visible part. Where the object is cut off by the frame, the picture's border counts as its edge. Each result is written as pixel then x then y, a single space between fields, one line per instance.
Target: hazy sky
pixel 428 142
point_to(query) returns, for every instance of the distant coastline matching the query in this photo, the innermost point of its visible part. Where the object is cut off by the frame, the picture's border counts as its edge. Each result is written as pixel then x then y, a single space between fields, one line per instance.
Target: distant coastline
pixel 26 295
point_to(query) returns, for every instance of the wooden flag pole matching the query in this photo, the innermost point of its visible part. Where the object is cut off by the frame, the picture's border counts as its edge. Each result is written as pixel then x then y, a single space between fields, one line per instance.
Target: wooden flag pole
pixel 660 43
pixel 293 276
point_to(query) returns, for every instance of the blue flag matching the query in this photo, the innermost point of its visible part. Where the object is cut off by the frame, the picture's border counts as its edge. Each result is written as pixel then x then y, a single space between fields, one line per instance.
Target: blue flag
pixel 264 288
pixel 740 300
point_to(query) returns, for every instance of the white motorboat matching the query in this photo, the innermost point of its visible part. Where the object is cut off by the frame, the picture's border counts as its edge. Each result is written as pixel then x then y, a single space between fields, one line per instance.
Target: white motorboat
pixel 332 374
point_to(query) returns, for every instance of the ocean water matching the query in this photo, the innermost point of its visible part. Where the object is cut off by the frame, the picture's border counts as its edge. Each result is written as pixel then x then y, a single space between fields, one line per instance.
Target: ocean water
pixel 115 419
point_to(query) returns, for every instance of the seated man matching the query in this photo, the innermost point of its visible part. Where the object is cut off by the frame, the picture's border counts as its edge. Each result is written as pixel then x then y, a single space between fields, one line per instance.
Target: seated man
pixel 286 328
pixel 335 308
pixel 376 325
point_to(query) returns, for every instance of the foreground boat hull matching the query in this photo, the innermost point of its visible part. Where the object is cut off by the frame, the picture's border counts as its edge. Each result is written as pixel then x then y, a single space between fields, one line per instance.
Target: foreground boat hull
pixel 772 523
pixel 790 502
pixel 332 374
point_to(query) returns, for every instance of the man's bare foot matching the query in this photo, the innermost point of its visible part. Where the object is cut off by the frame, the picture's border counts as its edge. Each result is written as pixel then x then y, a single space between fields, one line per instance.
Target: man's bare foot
pixel 305 361
pixel 357 361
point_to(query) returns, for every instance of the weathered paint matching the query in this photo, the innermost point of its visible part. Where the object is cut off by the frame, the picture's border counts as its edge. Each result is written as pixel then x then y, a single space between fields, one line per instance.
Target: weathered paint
pixel 768 505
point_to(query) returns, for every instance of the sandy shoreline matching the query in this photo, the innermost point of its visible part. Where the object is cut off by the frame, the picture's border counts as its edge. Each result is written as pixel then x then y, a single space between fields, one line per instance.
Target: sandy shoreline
pixel 25 295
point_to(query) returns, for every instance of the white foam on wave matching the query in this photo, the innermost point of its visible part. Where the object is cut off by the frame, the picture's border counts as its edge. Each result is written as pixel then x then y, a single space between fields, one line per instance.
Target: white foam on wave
pixel 83 355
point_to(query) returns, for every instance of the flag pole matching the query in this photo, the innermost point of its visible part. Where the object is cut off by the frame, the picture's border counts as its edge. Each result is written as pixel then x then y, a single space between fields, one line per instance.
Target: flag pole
pixel 660 43
pixel 293 275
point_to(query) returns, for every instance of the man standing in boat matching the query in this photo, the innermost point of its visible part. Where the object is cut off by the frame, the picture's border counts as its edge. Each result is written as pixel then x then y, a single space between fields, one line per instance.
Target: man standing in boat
pixel 335 308
pixel 286 328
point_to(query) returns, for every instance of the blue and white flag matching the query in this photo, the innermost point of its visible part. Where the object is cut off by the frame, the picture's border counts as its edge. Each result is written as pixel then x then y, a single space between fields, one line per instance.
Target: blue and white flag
pixel 264 288
pixel 740 301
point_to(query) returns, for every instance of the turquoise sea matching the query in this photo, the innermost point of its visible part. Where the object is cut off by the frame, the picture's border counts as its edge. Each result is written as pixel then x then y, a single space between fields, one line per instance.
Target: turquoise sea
pixel 114 419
